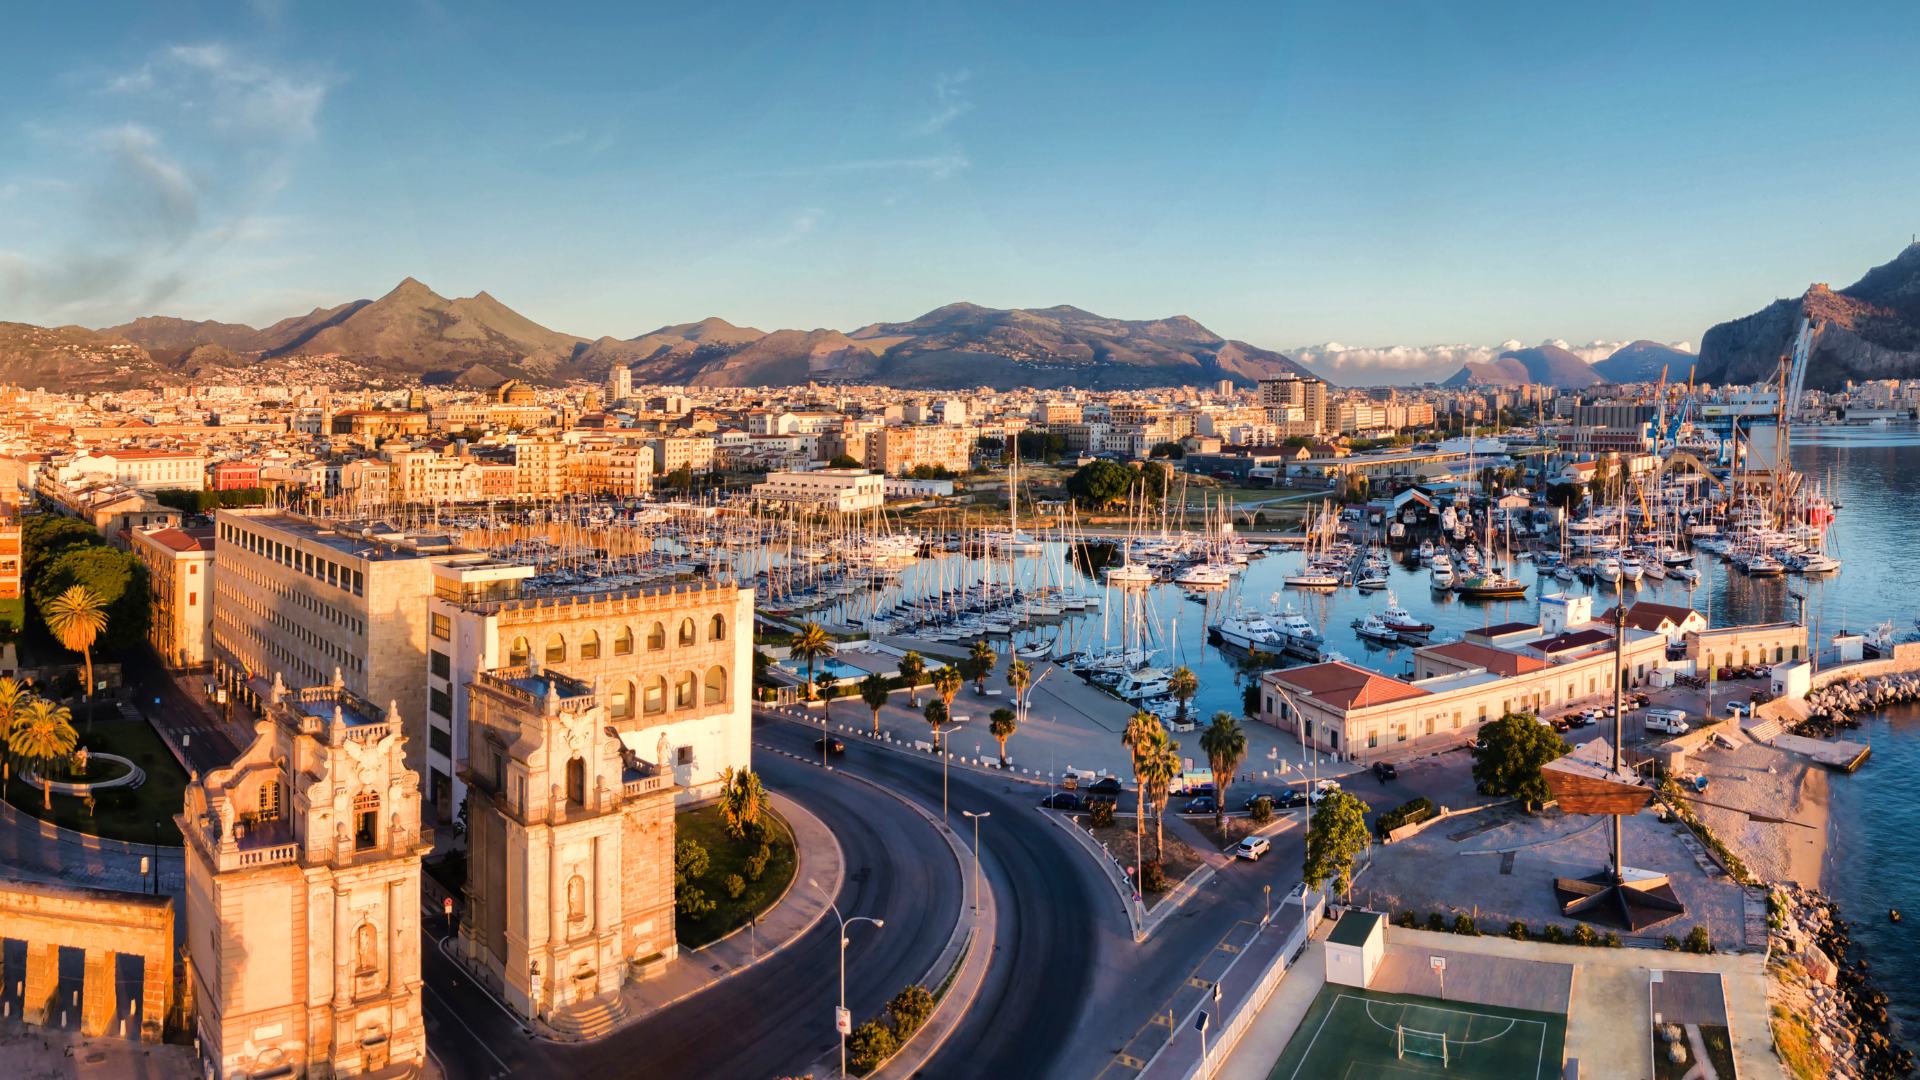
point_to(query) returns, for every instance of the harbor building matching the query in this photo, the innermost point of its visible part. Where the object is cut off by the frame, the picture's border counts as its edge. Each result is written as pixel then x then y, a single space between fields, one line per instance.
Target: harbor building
pixel 303 894
pixel 674 663
pixel 570 848
pixel 840 490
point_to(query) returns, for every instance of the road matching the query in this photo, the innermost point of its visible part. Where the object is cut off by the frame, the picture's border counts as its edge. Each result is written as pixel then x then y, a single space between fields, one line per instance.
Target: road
pixel 208 745
pixel 774 1019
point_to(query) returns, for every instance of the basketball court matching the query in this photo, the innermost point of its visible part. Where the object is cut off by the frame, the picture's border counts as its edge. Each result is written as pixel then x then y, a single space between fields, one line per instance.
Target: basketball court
pixel 1350 1033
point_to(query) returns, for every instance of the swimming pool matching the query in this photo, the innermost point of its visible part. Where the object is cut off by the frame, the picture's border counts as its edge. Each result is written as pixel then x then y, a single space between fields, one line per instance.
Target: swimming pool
pixel 825 669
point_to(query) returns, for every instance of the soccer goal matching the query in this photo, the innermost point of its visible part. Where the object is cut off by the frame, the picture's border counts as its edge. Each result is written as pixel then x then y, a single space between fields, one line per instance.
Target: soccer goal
pixel 1412 1042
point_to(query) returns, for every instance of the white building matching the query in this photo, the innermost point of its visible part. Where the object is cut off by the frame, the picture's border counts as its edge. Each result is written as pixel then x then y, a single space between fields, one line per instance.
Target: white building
pixel 843 490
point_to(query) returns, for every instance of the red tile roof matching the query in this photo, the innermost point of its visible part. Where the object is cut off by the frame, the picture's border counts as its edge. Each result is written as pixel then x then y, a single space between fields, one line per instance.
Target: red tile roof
pixel 1345 686
pixel 183 539
pixel 1646 615
pixel 1498 661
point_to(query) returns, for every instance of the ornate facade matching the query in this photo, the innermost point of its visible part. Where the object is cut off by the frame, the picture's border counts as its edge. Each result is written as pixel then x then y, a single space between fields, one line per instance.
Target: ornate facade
pixel 303 894
pixel 570 848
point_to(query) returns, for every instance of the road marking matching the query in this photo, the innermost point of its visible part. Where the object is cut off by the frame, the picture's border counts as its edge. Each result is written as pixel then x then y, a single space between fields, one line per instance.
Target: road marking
pixel 447 1008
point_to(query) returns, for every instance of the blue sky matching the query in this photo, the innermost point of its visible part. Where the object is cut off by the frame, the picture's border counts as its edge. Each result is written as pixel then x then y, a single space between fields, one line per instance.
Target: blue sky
pixel 1373 174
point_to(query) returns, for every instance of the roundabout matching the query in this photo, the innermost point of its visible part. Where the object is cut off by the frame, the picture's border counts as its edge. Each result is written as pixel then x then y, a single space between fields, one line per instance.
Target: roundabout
pixel 128 776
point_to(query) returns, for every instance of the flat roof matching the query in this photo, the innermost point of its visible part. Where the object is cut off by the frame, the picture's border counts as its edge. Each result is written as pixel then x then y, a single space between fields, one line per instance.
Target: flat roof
pixel 1355 927
pixel 384 545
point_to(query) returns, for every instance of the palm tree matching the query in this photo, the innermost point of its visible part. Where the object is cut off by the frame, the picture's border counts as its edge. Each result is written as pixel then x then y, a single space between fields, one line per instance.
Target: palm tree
pixel 1184 684
pixel 981 659
pixel 873 691
pixel 742 798
pixel 1003 723
pixel 77 618
pixel 1143 738
pixel 812 644
pixel 1019 677
pixel 43 734
pixel 1162 769
pixel 13 701
pixel 913 668
pixel 1226 747
pixel 947 683
pixel 936 714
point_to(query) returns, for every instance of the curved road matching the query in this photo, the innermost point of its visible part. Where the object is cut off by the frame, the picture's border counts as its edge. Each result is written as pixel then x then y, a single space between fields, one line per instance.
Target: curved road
pixel 776 1017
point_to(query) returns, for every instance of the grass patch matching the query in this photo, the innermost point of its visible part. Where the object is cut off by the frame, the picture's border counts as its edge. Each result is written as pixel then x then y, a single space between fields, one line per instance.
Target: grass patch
pixel 119 814
pixel 1719 1053
pixel 1793 1041
pixel 728 856
pixel 1180 859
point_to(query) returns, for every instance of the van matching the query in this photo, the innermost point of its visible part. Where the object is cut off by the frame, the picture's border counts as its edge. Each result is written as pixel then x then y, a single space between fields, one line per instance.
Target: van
pixel 1670 721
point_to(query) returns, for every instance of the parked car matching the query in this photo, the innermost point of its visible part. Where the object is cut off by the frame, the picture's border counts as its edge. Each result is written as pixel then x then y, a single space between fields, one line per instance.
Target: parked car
pixel 1205 804
pixel 1107 786
pixel 1291 798
pixel 1061 800
pixel 1252 848
pixel 1670 721
pixel 1384 771
pixel 1322 789
pixel 1561 724
pixel 829 745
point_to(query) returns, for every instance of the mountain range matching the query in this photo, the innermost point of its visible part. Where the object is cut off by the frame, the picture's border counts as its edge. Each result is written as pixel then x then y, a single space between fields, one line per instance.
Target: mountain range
pixel 1868 330
pixel 1545 365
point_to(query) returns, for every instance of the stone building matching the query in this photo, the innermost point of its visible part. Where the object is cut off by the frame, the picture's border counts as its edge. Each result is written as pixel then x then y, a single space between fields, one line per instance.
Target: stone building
pixel 303 894
pixel 673 661
pixel 180 595
pixel 127 979
pixel 570 848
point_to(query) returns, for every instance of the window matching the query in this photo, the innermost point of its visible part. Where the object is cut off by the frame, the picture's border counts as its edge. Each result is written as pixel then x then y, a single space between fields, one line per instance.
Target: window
pixel 269 803
pixel 716 685
pixel 623 641
pixel 441 626
pixel 590 646
pixel 193 598
pixel 656 697
pixel 440 703
pixel 718 631
pixel 688 635
pixel 366 820
pixel 440 741
pixel 577 782
pixel 657 638
pixel 620 704
pixel 440 663
pixel 683 691
pixel 556 650
pixel 683 755
pixel 520 653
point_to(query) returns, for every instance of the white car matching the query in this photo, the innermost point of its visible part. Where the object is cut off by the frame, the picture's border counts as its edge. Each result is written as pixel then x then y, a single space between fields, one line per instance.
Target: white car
pixel 1322 789
pixel 1252 848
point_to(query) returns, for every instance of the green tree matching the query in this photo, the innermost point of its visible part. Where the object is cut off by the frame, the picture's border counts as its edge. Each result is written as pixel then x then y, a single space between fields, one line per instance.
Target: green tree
pixel 1357 488
pixel 870 1044
pixel 44 536
pixel 979 664
pixel 742 799
pixel 1162 770
pixel 1143 738
pixel 1335 837
pixel 935 712
pixel 117 578
pixel 1156 479
pixel 1100 484
pixel 909 1009
pixel 77 618
pixel 812 644
pixel 1170 450
pixel 1226 747
pixel 913 668
pixel 1508 758
pixel 42 735
pixel 1184 684
pixel 1001 725
pixel 13 704
pixel 1019 677
pixel 947 683
pixel 844 461
pixel 873 691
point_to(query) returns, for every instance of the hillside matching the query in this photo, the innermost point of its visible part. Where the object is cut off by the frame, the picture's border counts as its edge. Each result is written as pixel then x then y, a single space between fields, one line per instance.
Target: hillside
pixel 1643 360
pixel 1544 365
pixel 73 358
pixel 1868 330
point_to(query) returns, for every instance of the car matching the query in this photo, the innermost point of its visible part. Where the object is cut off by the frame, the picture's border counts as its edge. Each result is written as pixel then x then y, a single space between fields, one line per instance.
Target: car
pixel 1272 799
pixel 1107 786
pixel 1205 804
pixel 1384 771
pixel 1290 798
pixel 1203 788
pixel 1061 800
pixel 1252 848
pixel 829 745
pixel 1322 789
pixel 1670 721
pixel 1562 724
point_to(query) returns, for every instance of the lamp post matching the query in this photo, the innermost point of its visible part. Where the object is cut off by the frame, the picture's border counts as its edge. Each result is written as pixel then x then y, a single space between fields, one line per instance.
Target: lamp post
pixel 839 1024
pixel 940 744
pixel 1266 891
pixel 976 853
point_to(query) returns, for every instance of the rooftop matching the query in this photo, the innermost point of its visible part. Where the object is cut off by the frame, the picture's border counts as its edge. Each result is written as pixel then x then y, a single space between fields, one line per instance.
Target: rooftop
pixel 1571 641
pixel 1354 928
pixel 197 538
pixel 1346 686
pixel 372 543
pixel 1499 661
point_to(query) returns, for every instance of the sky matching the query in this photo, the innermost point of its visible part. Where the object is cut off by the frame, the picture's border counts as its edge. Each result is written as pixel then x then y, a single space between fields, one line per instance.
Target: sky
pixel 1387 177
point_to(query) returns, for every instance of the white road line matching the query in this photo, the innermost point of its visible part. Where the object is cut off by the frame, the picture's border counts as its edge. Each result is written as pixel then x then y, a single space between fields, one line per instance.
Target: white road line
pixel 477 1040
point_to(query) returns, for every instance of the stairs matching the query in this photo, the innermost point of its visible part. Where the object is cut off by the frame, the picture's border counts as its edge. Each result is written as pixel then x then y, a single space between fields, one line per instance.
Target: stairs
pixel 1766 730
pixel 587 1020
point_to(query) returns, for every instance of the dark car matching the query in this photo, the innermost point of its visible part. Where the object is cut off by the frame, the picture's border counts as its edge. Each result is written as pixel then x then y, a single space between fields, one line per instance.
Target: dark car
pixel 1199 789
pixel 1291 798
pixel 1258 795
pixel 1205 804
pixel 829 746
pixel 1107 786
pixel 1384 771
pixel 1061 800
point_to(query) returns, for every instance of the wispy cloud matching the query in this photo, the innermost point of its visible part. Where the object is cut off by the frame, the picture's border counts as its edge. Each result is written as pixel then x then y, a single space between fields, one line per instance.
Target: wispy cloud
pixel 800 225
pixel 938 166
pixel 950 102
pixel 227 91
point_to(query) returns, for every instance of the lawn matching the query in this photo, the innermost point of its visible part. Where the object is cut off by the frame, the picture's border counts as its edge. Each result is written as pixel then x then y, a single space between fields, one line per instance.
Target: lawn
pixel 119 814
pixel 729 856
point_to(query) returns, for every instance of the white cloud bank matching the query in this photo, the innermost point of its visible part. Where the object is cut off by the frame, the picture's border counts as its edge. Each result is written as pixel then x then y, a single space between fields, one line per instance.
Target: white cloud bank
pixel 1365 365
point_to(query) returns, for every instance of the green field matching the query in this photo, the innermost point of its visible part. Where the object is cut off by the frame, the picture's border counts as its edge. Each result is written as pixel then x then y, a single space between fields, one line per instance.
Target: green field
pixel 119 814
pixel 729 856
pixel 1350 1033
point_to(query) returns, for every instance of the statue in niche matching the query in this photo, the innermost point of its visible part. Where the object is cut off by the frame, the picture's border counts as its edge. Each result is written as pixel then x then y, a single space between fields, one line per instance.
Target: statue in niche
pixel 576 898
pixel 366 949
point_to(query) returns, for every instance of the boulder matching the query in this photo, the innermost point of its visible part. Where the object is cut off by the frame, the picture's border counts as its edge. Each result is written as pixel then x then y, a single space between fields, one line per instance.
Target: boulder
pixel 1818 965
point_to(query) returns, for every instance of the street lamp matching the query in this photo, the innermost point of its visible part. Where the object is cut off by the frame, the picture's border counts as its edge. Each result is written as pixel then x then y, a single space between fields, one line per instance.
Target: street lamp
pixel 940 744
pixel 842 1022
pixel 976 853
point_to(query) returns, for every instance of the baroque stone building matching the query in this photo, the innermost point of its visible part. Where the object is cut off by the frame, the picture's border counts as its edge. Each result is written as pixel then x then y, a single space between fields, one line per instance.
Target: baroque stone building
pixel 303 894
pixel 570 848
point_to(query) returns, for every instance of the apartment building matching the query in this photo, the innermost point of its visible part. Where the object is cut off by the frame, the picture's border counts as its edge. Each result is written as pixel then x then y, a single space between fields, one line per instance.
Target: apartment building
pixel 902 448
pixel 540 466
pixel 620 472
pixel 149 470
pixel 841 490
pixel 675 452
pixel 180 591
pixel 301 598
pixel 619 383
pixel 11 560
pixel 1290 392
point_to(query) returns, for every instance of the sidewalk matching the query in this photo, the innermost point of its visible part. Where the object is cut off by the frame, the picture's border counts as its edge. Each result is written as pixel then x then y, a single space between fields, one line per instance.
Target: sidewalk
pixel 41 850
pixel 45 1052
pixel 817 857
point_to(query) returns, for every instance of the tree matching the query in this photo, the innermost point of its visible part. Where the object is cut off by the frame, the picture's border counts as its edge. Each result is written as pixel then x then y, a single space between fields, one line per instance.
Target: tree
pixel 1335 837
pixel 1563 495
pixel 43 734
pixel 909 1009
pixel 844 461
pixel 77 618
pixel 13 704
pixel 680 479
pixel 1001 725
pixel 1171 450
pixel 913 668
pixel 936 713
pixel 812 644
pixel 116 577
pixel 1357 488
pixel 1250 698
pixel 1226 747
pixel 1100 484
pixel 870 1044
pixel 1184 684
pixel 1019 677
pixel 45 536
pixel 979 664
pixel 873 691
pixel 1509 755
pixel 742 798
pixel 1143 739
pixel 1162 771
pixel 1156 479
pixel 947 683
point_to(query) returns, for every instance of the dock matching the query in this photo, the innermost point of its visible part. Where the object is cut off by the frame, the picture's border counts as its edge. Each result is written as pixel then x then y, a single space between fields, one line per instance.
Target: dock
pixel 1842 754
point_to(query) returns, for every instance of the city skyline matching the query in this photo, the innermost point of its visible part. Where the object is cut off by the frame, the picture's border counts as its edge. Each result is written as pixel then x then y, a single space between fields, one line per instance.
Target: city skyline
pixel 244 168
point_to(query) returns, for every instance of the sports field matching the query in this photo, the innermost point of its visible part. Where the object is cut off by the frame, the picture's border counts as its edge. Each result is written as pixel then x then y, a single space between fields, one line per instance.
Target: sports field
pixel 1349 1034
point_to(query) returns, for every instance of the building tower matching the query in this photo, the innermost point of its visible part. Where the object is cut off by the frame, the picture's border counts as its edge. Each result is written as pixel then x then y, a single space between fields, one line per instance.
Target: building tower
pixel 570 850
pixel 619 384
pixel 303 894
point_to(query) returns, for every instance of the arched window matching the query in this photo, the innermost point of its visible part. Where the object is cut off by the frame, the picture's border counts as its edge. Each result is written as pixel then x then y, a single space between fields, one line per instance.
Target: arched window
pixel 577 782
pixel 518 655
pixel 683 690
pixel 716 685
pixel 655 700
pixel 620 705
pixel 623 642
pixel 657 638
pixel 718 631
pixel 1779 654
pixel 556 650
pixel 366 820
pixel 688 635
pixel 590 646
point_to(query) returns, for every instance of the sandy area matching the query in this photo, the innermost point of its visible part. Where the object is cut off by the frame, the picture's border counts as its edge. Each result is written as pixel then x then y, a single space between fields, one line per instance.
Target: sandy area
pixel 1758 778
